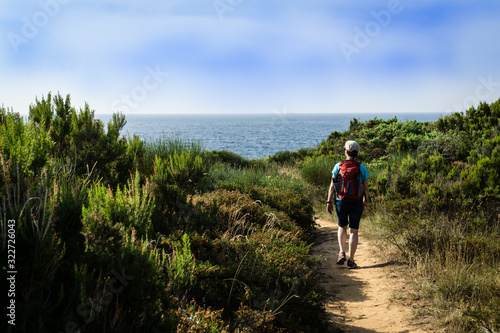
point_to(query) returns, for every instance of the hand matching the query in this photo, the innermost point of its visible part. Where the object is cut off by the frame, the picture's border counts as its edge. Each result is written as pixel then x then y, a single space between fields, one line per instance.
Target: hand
pixel 365 204
pixel 329 208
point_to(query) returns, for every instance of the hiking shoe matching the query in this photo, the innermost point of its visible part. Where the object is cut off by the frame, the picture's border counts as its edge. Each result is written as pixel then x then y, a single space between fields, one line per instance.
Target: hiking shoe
pixel 351 264
pixel 341 258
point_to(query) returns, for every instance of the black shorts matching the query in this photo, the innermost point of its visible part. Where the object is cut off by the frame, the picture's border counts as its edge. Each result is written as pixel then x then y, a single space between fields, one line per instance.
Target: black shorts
pixel 349 213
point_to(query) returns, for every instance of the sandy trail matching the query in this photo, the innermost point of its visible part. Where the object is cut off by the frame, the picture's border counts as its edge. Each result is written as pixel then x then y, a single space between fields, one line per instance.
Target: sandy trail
pixel 362 299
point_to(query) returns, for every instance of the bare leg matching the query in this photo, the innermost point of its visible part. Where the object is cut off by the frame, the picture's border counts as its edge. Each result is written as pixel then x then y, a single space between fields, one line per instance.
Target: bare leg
pixel 353 243
pixel 342 235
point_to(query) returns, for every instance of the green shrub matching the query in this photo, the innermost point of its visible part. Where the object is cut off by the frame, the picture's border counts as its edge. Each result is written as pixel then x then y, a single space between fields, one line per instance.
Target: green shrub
pixel 92 149
pixel 281 192
pixel 382 183
pixel 79 137
pixel 26 146
pixel 236 214
pixel 128 209
pixel 185 169
pixel 181 266
pixel 225 157
pixel 172 181
pixel 267 274
pixel 165 147
pixel 317 170
pixel 287 157
pixel 297 206
pixel 125 294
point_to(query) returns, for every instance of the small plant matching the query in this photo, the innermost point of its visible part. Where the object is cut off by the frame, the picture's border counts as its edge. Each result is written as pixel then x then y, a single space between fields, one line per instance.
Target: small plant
pixel 197 319
pixel 181 266
pixel 130 208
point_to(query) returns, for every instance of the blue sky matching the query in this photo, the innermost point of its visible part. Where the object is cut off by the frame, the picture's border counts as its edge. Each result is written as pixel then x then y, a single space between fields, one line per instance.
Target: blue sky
pixel 243 56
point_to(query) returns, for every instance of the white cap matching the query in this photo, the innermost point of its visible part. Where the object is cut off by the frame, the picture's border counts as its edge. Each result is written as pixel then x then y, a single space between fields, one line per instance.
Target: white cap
pixel 351 146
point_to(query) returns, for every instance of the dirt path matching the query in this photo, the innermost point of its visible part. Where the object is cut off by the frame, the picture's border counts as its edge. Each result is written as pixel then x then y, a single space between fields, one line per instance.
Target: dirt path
pixel 362 299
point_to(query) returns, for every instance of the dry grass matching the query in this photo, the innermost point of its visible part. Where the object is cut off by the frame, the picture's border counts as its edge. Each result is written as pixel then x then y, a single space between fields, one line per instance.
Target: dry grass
pixel 455 282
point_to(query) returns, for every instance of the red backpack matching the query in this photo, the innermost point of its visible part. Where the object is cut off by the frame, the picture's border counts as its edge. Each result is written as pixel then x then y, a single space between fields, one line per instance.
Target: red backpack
pixel 348 184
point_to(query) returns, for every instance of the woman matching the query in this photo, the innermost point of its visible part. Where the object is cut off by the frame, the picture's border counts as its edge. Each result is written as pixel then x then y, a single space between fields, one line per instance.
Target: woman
pixel 350 186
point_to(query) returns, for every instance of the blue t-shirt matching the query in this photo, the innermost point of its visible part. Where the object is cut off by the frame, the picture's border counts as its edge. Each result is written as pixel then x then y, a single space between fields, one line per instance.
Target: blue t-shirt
pixel 362 168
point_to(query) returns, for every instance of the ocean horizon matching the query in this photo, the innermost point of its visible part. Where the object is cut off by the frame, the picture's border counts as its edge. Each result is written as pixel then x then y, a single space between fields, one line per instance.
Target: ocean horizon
pixel 252 136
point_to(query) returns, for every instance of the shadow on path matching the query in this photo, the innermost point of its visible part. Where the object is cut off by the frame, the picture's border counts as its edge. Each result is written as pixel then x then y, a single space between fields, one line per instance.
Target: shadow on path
pixel 358 300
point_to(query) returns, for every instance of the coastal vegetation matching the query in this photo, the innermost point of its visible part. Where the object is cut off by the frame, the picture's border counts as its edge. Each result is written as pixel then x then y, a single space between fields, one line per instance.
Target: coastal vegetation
pixel 118 234
pixel 436 199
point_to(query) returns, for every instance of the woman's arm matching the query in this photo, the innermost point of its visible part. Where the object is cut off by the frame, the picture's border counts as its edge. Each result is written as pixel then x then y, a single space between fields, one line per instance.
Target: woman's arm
pixel 331 197
pixel 367 192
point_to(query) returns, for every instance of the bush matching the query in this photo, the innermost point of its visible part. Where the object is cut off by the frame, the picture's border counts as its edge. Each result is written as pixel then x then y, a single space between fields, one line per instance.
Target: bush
pixel 237 214
pixel 266 274
pixel 291 157
pixel 225 157
pixel 167 147
pixel 129 209
pixel 317 170
pixel 26 146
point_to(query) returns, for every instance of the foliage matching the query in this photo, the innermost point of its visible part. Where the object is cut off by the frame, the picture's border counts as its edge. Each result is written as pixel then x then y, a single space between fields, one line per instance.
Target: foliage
pixel 65 133
pixel 291 157
pixel 162 236
pixel 39 251
pixel 181 265
pixel 167 147
pixel 26 145
pixel 226 157
pixel 131 208
pixel 159 235
pixel 439 189
pixel 317 170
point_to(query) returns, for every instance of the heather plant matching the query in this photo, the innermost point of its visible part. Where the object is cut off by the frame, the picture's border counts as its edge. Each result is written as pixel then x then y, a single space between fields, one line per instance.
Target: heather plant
pixel 237 214
pixel 269 271
pixel 260 260
pixel 130 207
pixel 181 266
pixel 297 206
pixel 197 319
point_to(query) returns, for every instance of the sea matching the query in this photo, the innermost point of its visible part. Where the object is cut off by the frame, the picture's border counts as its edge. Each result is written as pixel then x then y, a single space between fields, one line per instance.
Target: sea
pixel 252 136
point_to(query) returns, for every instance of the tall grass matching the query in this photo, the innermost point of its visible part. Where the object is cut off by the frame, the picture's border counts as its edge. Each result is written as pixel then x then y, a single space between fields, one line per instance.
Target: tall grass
pixel 224 176
pixel 166 146
pixel 455 269
pixel 317 170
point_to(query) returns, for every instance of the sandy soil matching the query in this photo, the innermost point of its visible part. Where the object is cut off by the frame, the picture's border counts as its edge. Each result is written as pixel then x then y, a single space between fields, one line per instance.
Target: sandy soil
pixel 362 299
